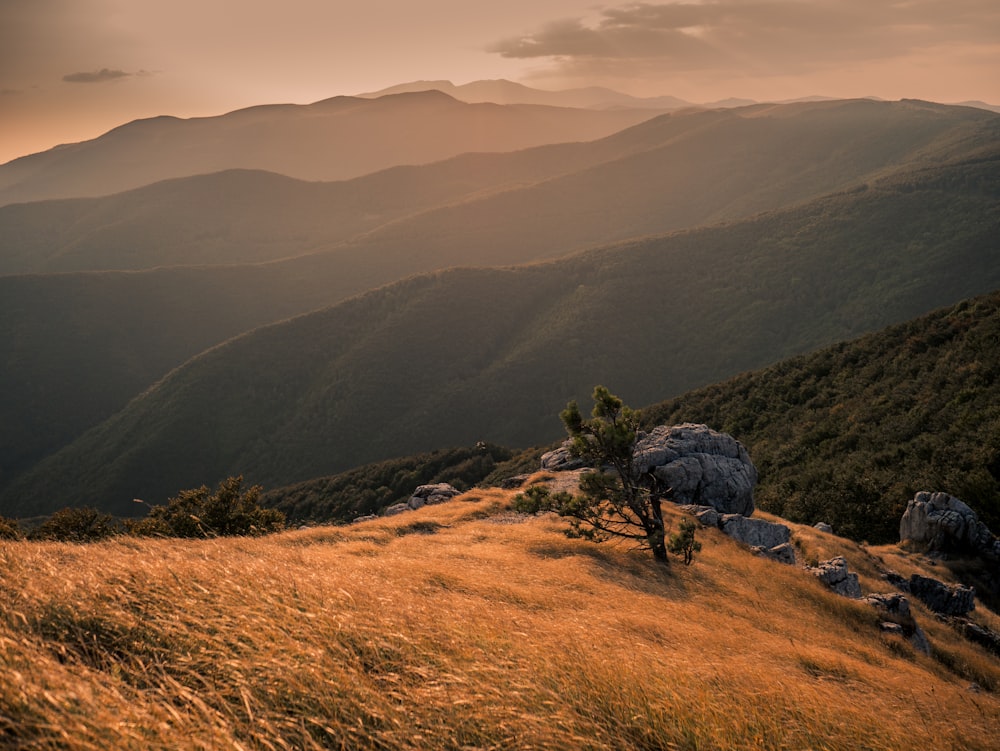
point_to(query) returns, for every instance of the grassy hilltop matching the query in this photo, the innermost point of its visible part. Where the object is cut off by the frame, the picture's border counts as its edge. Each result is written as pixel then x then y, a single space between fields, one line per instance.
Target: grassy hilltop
pixel 465 626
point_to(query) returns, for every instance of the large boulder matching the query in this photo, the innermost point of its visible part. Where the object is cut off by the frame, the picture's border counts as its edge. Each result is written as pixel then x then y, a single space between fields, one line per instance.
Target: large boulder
pixel 941 523
pixel 835 574
pixel 427 495
pixel 756 533
pixel 700 466
pixel 561 459
pixel 943 598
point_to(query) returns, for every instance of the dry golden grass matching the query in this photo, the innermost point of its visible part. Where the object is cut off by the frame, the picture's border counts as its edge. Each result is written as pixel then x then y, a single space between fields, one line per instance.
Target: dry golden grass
pixel 463 626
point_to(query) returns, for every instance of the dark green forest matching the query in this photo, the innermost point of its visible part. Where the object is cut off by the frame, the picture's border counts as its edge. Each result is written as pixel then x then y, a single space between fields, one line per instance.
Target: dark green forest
pixel 429 362
pixel 845 435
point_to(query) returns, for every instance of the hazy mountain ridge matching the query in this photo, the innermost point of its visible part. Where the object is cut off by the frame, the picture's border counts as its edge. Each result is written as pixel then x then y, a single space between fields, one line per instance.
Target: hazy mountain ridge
pixel 334 139
pixel 130 329
pixel 671 172
pixel 428 362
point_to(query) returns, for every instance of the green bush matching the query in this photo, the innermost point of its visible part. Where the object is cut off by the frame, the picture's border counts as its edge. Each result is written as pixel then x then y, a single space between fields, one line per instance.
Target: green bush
pixel 77 525
pixel 9 529
pixel 229 511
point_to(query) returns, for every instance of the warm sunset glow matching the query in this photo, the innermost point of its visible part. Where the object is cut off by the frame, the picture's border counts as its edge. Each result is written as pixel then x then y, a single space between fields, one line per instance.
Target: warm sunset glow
pixel 72 69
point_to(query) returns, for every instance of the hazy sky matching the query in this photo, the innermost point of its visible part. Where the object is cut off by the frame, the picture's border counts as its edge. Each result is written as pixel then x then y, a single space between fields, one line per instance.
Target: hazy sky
pixel 72 69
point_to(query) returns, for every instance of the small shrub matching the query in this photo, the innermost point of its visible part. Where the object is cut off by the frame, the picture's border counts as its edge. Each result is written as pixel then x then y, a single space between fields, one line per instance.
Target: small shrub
pixel 77 525
pixel 9 529
pixel 682 543
pixel 229 511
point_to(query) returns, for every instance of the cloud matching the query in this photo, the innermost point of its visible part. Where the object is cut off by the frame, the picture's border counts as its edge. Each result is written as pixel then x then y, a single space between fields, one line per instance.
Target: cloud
pixel 775 37
pixel 98 76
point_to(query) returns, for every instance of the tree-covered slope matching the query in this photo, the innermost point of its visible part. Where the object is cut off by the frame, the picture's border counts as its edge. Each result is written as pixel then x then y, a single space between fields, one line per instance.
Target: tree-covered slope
pixel 74 348
pixel 848 434
pixel 492 354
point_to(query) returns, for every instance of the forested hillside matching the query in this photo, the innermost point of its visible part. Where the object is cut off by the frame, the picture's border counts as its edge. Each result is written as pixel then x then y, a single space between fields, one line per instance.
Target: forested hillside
pixel 493 354
pixel 75 348
pixel 848 434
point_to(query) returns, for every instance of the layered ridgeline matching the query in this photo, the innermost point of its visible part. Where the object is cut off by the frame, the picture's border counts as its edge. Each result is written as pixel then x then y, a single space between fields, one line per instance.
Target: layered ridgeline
pixel 845 435
pixel 74 348
pixel 679 170
pixel 466 355
pixel 333 139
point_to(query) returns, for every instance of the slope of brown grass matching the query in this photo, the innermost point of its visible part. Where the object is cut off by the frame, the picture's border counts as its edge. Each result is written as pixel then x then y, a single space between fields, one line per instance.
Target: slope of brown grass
pixel 462 626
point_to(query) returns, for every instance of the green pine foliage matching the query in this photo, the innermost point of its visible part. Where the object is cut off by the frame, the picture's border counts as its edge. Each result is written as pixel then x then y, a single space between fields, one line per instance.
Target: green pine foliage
pixel 683 542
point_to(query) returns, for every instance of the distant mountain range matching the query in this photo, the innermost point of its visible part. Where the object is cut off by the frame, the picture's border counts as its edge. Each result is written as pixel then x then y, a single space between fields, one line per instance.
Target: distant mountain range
pixel 502 91
pixel 164 272
pixel 492 354
pixel 74 348
pixel 673 171
pixel 334 139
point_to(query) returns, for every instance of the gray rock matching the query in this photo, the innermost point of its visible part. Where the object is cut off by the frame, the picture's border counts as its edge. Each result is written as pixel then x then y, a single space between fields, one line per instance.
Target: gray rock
pixel 701 466
pixel 835 574
pixel 754 532
pixel 706 515
pixel 509 483
pixel 396 508
pixel 941 523
pixel 892 603
pixel 942 598
pixel 561 459
pixel 784 553
pixel 365 518
pixel 431 494
pixel 823 527
pixel 897 607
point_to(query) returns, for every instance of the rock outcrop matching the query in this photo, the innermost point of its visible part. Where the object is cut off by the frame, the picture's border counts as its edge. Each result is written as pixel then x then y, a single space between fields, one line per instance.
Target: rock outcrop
pixel 835 574
pixel 941 523
pixel 764 538
pixel 428 495
pixel 823 527
pixel 561 459
pixel 897 608
pixel 424 495
pixel 943 598
pixel 701 466
pixel 756 533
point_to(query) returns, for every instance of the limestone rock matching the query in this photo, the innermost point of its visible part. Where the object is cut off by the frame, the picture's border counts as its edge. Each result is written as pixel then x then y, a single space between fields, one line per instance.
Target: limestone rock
pixel 754 532
pixel 823 527
pixel 942 523
pixel 561 459
pixel 396 508
pixel 700 465
pixel 706 515
pixel 942 598
pixel 897 607
pixel 430 494
pixel 784 553
pixel 835 574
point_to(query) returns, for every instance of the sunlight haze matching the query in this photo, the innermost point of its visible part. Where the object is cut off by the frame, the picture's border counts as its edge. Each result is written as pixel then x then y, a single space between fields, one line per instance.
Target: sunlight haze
pixel 73 69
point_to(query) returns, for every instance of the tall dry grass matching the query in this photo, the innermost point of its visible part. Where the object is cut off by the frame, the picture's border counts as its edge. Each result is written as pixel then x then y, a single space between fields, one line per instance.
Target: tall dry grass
pixel 461 626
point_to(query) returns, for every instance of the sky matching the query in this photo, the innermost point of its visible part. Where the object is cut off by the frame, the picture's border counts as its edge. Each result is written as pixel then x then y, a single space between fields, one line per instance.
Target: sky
pixel 73 69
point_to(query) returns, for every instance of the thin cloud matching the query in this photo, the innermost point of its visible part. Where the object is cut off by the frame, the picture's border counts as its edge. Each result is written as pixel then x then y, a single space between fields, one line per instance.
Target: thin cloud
pixel 763 36
pixel 98 76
